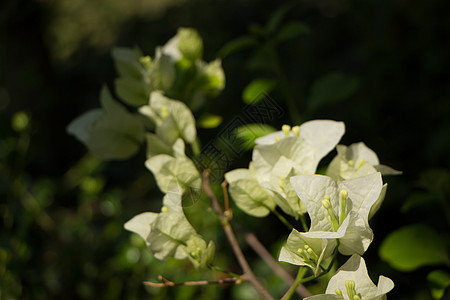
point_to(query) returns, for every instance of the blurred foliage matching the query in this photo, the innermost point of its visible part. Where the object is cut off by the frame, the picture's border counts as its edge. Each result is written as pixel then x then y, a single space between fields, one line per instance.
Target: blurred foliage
pixel 62 210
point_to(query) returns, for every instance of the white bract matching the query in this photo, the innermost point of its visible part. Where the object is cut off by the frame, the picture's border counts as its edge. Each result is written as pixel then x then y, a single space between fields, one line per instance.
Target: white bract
pixel 104 136
pixel 248 195
pixel 352 282
pixel 169 233
pixel 339 210
pixel 173 119
pixel 280 155
pixel 354 161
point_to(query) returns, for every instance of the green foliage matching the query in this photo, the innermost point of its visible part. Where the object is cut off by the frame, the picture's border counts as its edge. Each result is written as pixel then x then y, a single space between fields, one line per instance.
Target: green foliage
pixel 331 88
pixel 256 90
pixel 103 135
pixel 414 246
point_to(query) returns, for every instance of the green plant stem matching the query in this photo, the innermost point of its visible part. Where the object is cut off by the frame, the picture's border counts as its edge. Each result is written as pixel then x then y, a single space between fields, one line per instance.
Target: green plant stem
pixel 195 146
pixel 304 225
pixel 282 219
pixel 297 282
pixel 259 248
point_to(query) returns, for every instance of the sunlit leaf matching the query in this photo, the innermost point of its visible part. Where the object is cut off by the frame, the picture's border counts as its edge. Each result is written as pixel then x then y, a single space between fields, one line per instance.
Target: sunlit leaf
pixel 414 246
pixel 209 121
pixel 250 132
pixel 438 281
pixel 256 90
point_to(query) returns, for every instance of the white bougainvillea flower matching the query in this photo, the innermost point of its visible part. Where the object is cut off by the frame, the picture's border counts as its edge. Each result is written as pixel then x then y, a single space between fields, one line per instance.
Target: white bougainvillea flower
pixel 289 152
pixel 173 119
pixel 284 195
pixel 339 210
pixel 99 130
pixel 303 251
pixel 174 173
pixel 354 161
pixel 169 233
pixel 247 193
pixel 352 282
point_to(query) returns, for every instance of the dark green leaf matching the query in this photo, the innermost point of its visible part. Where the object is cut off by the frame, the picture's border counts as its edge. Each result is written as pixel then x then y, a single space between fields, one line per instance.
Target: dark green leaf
pixel 131 91
pixel 331 88
pixel 238 44
pixel 127 62
pixel 292 30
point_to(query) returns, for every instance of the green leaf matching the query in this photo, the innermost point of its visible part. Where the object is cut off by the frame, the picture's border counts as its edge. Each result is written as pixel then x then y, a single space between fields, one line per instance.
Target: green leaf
pixel 439 281
pixel 131 91
pixel 190 43
pixel 414 246
pixel 251 132
pixel 111 133
pixel 156 146
pixel 174 173
pixel 292 30
pixel 256 90
pixel 238 44
pixel 173 119
pixel 209 121
pixel 127 62
pixel 277 17
pixel 331 88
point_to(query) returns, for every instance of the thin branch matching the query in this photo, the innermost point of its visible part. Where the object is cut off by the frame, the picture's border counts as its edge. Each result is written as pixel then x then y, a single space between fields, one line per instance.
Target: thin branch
pixel 259 248
pixel 226 200
pixel 248 273
pixel 166 283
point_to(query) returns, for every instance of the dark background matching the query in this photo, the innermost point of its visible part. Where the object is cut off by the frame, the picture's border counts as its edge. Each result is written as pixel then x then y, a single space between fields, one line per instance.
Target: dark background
pixel 62 210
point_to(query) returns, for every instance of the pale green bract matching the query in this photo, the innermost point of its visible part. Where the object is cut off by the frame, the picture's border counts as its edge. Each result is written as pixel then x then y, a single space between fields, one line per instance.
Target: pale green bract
pixel 169 233
pixel 352 278
pixel 174 173
pixel 248 195
pixel 322 249
pixel 351 215
pixel 103 135
pixel 356 160
pixel 173 119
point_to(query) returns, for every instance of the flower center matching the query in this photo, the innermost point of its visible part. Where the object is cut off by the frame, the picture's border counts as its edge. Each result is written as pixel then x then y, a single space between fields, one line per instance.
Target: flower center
pixel 308 254
pixel 332 217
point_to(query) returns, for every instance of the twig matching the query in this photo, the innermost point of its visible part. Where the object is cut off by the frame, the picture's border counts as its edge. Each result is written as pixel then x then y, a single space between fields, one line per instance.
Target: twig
pixel 226 201
pixel 259 248
pixel 166 282
pixel 248 273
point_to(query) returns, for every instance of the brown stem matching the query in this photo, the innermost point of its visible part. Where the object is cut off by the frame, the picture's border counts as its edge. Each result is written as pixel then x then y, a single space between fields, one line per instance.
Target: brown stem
pixel 248 273
pixel 259 248
pixel 192 283
pixel 226 200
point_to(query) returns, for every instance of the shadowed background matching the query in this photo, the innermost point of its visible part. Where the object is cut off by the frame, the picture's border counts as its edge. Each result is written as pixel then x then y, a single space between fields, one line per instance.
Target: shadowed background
pixel 62 210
